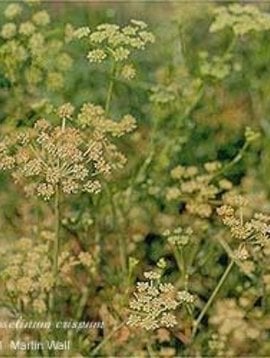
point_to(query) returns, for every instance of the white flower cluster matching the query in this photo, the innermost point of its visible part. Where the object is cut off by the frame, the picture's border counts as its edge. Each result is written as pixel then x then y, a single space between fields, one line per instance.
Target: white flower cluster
pixel 155 303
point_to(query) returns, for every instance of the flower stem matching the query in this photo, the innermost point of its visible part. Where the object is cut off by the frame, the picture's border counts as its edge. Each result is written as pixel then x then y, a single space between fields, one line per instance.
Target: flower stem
pixel 212 297
pixel 63 124
pixel 121 243
pixel 110 90
pixel 115 225
pixel 180 261
pixel 106 339
pixel 81 306
pixel 231 163
pixel 55 247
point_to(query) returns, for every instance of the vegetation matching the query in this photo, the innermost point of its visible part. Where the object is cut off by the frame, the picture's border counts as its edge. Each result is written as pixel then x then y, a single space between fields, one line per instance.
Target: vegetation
pixel 134 166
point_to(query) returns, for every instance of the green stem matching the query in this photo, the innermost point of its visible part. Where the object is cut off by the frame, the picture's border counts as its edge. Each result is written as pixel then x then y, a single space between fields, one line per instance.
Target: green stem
pixel 234 161
pixel 82 304
pixel 106 339
pixel 121 242
pixel 183 267
pixel 55 247
pixel 179 256
pixel 212 297
pixel 150 351
pixel 238 262
pixel 110 90
pixel 120 238
pixel 63 124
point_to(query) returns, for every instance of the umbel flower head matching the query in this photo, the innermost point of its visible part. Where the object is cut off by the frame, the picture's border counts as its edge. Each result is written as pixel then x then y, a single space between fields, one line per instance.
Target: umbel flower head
pixel 252 233
pixel 155 303
pixel 112 42
pixel 12 11
pixel 198 188
pixel 179 237
pixel 242 19
pixel 30 58
pixel 25 44
pixel 218 67
pixel 27 272
pixel 49 157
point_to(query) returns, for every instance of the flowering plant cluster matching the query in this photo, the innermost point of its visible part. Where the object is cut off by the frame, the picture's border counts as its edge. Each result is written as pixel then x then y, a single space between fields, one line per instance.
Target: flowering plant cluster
pixel 154 303
pixel 109 41
pixel 68 158
pixel 157 227
pixel 241 19
pixel 198 190
pixel 31 60
pixel 28 277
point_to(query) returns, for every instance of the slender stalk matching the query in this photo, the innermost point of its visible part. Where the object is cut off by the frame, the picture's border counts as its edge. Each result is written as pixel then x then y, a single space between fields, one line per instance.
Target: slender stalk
pixel 63 124
pixel 57 218
pixel 55 247
pixel 122 249
pixel 150 351
pixel 120 238
pixel 110 89
pixel 184 271
pixel 121 242
pixel 212 297
pixel 82 304
pixel 106 339
pixel 180 261
pixel 234 161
